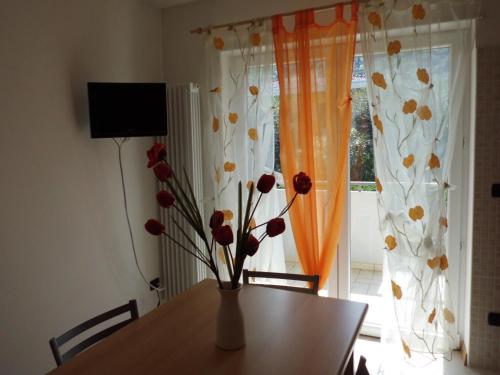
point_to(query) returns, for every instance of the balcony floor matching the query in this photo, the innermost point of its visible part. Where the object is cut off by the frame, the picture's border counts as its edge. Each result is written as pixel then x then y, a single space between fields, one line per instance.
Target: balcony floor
pixel 366 287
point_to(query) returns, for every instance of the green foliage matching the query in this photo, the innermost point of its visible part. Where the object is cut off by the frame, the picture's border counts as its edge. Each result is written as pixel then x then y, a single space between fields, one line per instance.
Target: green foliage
pixel 276 120
pixel 361 142
pixel 363 187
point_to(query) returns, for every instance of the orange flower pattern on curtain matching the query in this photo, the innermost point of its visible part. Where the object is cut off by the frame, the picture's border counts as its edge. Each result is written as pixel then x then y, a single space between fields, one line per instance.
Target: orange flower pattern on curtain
pixel 238 133
pixel 413 151
pixel 314 71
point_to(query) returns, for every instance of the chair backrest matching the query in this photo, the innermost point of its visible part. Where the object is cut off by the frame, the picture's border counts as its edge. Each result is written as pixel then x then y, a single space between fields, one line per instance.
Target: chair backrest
pixel 56 342
pixel 313 280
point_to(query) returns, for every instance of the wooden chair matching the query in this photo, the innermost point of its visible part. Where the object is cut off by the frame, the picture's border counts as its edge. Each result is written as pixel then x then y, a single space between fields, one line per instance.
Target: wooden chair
pixel 362 369
pixel 56 342
pixel 312 279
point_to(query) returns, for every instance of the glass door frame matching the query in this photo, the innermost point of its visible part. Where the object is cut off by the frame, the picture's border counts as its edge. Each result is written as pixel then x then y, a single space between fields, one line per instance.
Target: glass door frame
pixel 339 281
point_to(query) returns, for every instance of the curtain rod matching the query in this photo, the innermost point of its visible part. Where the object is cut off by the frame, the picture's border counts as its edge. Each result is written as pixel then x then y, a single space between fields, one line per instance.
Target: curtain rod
pixel 200 30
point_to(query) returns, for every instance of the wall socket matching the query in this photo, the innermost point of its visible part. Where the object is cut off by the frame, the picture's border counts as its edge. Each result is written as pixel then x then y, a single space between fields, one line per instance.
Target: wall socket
pixel 155 282
pixel 495 190
pixel 494 319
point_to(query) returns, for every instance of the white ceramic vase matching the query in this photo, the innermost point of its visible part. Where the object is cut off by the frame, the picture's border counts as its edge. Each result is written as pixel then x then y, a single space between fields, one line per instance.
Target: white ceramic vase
pixel 230 328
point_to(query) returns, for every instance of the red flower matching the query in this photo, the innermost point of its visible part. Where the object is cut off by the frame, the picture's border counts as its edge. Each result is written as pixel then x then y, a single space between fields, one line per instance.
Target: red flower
pixel 156 153
pixel 165 199
pixel 223 235
pixel 154 227
pixel 266 183
pixel 217 219
pixel 302 183
pixel 275 226
pixel 163 171
pixel 252 245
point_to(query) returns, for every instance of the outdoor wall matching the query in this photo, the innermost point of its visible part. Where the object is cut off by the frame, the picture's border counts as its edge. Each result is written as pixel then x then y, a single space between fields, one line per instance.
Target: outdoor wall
pixel 367 243
pixel 65 254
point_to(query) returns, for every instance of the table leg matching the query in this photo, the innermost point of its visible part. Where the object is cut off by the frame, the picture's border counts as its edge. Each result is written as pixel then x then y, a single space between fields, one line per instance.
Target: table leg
pixel 349 370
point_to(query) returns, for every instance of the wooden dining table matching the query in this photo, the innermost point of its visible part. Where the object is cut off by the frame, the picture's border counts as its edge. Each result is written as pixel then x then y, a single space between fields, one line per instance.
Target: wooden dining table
pixel 286 333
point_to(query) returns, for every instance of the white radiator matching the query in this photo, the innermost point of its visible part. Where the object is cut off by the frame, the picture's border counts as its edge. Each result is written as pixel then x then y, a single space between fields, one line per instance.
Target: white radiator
pixel 184 150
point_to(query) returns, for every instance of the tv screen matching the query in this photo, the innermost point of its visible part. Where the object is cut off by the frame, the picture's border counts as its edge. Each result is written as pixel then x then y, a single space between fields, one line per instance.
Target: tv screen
pixel 127 109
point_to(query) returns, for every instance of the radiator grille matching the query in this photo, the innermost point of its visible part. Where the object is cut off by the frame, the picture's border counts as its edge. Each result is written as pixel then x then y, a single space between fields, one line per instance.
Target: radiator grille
pixel 184 148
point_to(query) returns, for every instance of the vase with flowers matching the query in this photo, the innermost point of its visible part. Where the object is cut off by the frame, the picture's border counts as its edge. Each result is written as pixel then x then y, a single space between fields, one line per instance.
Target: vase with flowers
pixel 236 245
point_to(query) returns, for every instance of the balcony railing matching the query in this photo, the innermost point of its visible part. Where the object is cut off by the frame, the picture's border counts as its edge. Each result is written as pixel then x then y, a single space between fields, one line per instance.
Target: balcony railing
pixel 363 186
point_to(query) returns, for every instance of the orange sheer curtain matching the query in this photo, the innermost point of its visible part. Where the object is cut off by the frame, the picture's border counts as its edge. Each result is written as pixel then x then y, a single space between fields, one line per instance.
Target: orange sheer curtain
pixel 314 70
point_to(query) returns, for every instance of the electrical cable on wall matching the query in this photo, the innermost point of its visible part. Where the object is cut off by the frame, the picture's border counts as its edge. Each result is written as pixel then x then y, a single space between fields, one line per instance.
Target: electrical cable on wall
pixel 158 290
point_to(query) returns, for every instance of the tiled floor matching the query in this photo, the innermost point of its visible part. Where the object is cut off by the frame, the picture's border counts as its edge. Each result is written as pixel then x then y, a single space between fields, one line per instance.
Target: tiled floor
pixel 366 287
pixel 373 351
pixel 366 282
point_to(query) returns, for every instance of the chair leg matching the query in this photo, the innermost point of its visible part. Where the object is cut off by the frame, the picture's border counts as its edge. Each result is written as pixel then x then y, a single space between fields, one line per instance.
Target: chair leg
pixel 362 370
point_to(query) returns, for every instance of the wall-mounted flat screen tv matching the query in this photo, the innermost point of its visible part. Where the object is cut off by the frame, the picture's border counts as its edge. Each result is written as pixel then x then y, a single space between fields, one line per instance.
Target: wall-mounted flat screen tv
pixel 119 110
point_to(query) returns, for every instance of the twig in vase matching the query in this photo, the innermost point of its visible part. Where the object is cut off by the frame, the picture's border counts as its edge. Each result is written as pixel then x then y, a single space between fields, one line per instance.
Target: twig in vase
pixel 221 233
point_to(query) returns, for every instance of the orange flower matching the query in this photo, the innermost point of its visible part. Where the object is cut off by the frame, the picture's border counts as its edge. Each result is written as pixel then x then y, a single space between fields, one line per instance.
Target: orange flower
pixel 218 43
pixel 418 11
pixel 252 134
pixel 396 290
pixel 379 80
pixel 375 19
pixel 378 185
pixel 216 90
pixel 416 213
pixel 434 161
pixel 433 262
pixel 394 47
pixel 215 124
pixel 443 222
pixel 378 124
pixel 255 39
pixel 408 161
pixel 422 75
pixel 254 90
pixel 432 315
pixel 252 224
pixel 409 106
pixel 229 167
pixel 448 316
pixel 233 117
pixel 443 262
pixel 391 243
pixel 228 215
pixel 424 113
pixel 406 348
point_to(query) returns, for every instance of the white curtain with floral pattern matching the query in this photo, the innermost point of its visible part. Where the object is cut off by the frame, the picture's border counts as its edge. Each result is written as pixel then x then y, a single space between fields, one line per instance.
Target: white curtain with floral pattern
pixel 238 136
pixel 417 58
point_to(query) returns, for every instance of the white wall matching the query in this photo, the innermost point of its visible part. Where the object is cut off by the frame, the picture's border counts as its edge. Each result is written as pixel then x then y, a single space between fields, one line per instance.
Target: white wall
pixel 64 251
pixel 183 52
